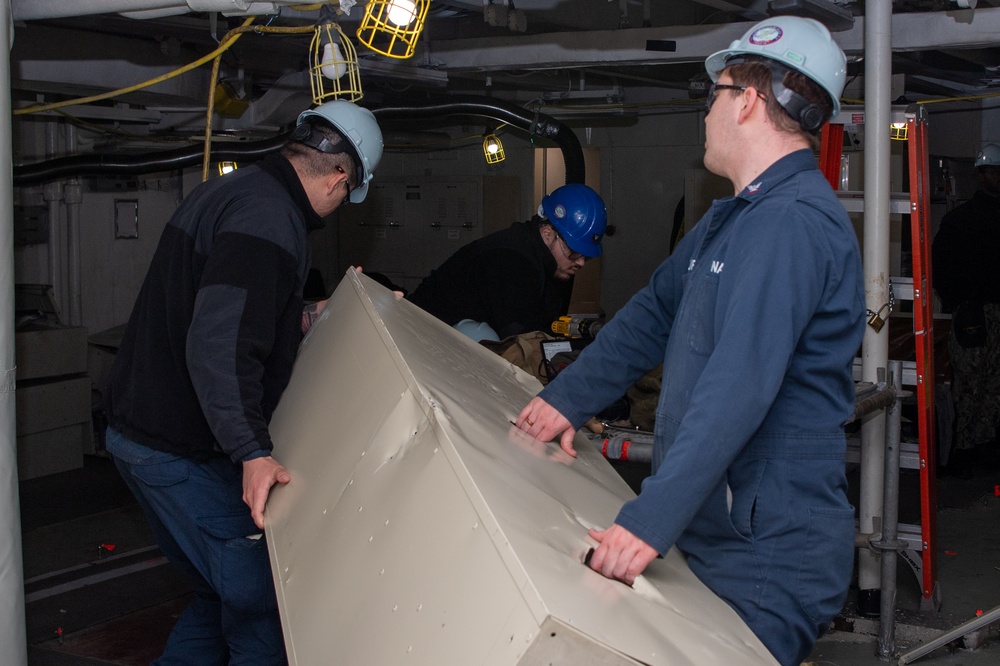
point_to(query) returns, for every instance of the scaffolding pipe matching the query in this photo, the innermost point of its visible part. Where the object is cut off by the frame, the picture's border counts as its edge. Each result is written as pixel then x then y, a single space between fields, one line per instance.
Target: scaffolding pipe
pixel 875 347
pixel 12 623
pixel 883 396
pixel 889 544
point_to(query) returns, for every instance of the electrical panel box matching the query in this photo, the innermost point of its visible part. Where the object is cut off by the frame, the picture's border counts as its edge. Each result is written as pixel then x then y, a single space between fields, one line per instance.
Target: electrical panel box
pixel 421 527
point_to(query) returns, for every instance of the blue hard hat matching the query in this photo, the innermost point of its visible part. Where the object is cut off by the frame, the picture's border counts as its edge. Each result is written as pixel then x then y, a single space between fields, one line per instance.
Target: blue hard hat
pixel 578 214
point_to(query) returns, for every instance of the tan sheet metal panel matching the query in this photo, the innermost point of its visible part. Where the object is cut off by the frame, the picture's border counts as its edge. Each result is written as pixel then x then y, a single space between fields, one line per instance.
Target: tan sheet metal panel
pixel 420 527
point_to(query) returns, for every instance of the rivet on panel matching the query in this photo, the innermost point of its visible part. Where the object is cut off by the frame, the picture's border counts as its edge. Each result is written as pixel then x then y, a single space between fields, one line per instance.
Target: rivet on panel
pixel 370 539
pixel 420 607
pixel 360 508
pixel 381 571
pixel 394 607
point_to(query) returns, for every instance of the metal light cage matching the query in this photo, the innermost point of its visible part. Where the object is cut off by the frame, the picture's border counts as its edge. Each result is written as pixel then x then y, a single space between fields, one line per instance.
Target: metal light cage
pixel 391 27
pixel 493 149
pixel 227 167
pixel 333 66
pixel 898 131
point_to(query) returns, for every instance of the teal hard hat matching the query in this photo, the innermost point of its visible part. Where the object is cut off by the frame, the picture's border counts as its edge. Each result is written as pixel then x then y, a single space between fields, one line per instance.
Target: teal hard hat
pixel 578 214
pixel 358 125
pixel 802 44
pixel 477 330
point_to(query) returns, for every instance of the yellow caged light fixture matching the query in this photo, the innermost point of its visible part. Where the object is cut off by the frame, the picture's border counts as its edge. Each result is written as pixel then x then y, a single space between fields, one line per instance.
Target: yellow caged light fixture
pixel 227 167
pixel 493 149
pixel 897 131
pixel 333 66
pixel 391 27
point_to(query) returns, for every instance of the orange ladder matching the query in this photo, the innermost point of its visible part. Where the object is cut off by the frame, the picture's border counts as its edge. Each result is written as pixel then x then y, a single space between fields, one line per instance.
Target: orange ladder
pixel 918 374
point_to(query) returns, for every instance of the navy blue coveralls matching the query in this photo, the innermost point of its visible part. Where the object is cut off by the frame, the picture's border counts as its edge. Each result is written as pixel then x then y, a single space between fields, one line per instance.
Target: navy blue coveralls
pixel 756 316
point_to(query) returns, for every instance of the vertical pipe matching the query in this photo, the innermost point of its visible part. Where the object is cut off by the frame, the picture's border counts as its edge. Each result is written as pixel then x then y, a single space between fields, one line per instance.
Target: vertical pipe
pixel 875 347
pixel 12 624
pixel 886 647
pixel 73 195
pixel 53 195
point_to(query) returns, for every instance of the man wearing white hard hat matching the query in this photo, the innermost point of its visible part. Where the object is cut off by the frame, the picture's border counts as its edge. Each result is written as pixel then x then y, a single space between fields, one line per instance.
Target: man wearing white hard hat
pixel 756 316
pixel 204 359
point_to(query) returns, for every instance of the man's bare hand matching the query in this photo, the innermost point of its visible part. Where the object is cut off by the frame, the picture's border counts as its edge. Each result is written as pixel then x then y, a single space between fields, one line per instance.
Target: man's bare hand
pixel 621 555
pixel 543 422
pixel 259 475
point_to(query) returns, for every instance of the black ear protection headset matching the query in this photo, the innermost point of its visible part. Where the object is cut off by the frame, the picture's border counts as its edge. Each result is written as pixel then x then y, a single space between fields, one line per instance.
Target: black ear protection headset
pixel 306 133
pixel 808 115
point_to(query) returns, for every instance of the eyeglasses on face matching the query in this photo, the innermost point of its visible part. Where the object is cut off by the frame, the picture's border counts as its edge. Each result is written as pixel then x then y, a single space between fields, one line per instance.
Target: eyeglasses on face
pixel 715 87
pixel 567 251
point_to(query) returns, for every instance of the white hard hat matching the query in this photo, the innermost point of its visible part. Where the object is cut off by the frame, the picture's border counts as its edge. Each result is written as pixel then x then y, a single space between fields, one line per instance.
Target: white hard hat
pixel 988 156
pixel 802 44
pixel 358 125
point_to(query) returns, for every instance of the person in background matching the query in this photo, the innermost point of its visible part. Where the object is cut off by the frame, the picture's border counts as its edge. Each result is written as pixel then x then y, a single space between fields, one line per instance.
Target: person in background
pixel 205 357
pixel 757 316
pixel 519 279
pixel 966 276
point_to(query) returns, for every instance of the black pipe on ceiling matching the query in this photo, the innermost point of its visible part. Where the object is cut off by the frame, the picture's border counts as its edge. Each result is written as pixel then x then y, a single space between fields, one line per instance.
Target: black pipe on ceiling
pixel 461 106
pixel 115 164
pixel 471 106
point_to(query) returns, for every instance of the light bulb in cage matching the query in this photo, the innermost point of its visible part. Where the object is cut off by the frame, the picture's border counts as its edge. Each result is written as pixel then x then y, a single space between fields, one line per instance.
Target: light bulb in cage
pixel 401 12
pixel 391 27
pixel 333 66
pixel 897 131
pixel 493 149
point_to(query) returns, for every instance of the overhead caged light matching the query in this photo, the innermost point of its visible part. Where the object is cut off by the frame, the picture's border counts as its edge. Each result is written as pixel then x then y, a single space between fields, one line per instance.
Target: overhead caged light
pixel 493 149
pixel 897 131
pixel 333 66
pixel 227 167
pixel 391 27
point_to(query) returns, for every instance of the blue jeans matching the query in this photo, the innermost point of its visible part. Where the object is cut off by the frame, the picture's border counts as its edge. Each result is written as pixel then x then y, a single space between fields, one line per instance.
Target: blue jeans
pixel 197 514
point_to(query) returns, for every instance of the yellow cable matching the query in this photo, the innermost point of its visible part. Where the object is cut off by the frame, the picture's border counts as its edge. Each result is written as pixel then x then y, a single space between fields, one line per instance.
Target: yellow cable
pixel 958 99
pixel 228 39
pixel 223 45
pixel 207 154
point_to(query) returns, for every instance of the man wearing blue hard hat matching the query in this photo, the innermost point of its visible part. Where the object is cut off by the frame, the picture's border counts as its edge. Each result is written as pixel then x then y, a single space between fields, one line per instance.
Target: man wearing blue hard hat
pixel 756 316
pixel 519 279
pixel 204 359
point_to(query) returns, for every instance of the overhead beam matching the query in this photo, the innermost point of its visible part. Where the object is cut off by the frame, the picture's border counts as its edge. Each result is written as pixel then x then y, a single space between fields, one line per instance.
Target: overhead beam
pixel 910 32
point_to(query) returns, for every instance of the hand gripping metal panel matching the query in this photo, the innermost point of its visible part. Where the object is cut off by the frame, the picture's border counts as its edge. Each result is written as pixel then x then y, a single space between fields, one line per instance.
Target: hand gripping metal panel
pixel 421 528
